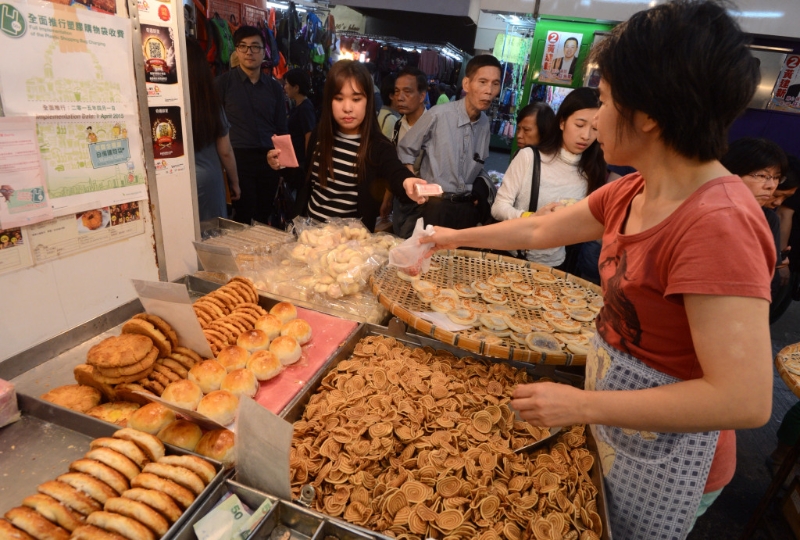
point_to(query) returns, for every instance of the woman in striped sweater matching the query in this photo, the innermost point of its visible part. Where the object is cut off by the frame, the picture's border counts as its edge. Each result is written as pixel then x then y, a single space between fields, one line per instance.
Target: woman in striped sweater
pixel 351 163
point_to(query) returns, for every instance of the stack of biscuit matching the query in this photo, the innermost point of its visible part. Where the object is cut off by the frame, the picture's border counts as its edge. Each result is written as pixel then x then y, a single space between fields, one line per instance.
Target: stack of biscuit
pixel 124 488
pixel 122 359
pixel 227 312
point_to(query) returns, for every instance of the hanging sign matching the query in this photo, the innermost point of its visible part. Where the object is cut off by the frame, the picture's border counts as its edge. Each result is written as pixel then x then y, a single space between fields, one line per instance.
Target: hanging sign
pixel 560 57
pixel 786 95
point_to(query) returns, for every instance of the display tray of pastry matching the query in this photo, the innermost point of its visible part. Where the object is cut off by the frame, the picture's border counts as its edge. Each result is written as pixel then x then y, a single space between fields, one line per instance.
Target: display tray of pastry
pixel 124 484
pixel 506 299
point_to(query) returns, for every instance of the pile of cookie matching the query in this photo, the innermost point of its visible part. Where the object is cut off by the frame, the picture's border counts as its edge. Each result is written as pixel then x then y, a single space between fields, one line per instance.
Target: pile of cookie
pixel 124 488
pixel 227 312
pixel 146 357
pixel 548 317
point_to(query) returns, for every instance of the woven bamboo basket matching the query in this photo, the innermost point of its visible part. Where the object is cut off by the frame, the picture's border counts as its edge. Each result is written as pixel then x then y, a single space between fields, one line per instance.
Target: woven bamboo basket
pixel 788 363
pixel 462 266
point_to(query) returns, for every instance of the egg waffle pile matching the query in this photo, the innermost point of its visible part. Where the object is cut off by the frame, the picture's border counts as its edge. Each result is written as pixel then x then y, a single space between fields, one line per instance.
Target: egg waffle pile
pixel 514 309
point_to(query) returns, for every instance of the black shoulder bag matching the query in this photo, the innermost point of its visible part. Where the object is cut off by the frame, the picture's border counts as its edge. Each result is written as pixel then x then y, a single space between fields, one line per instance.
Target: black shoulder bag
pixel 534 202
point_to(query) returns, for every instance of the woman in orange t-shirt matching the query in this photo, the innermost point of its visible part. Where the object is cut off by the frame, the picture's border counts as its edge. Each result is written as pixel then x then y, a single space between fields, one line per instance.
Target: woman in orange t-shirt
pixel 682 352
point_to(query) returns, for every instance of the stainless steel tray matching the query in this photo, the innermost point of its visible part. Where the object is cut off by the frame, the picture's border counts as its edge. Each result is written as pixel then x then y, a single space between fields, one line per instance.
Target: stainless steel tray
pixel 304 523
pixel 565 374
pixel 199 286
pixel 42 444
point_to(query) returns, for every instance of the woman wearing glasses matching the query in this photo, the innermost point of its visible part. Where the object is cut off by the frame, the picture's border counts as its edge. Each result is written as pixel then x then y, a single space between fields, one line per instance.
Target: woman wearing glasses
pixel 762 165
pixel 256 109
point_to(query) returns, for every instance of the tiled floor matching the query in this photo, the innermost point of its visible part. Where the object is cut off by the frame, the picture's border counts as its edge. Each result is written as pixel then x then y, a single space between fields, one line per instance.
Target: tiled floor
pixel 728 516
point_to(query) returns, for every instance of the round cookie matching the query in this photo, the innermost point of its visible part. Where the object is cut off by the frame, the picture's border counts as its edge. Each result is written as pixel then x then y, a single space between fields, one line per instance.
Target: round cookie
pixel 74 396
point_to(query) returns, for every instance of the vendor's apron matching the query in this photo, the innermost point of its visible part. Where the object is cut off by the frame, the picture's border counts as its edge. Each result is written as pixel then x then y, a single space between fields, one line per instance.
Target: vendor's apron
pixel 654 481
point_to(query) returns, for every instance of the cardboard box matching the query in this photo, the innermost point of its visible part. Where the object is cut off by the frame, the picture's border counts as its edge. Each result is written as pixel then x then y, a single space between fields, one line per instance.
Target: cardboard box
pixel 791 507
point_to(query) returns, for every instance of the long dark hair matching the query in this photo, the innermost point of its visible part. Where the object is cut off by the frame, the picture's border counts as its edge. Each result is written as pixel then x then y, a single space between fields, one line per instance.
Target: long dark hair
pixel 591 165
pixel 205 103
pixel 545 117
pixel 341 72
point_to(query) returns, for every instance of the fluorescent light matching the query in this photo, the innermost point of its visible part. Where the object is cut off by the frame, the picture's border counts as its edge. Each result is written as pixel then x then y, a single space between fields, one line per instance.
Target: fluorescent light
pixel 284 7
pixel 758 14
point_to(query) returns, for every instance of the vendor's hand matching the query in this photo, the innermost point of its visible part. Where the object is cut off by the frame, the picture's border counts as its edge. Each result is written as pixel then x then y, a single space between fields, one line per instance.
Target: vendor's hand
pixel 236 191
pixel 408 185
pixel 272 158
pixel 548 208
pixel 785 274
pixel 546 404
pixel 443 238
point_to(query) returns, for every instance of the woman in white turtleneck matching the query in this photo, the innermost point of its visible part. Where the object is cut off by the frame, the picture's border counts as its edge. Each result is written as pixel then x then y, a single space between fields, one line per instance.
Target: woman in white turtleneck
pixel 572 166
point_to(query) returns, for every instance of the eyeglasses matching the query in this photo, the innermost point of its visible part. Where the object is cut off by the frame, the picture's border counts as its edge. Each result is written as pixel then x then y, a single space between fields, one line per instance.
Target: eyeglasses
pixel 764 178
pixel 242 48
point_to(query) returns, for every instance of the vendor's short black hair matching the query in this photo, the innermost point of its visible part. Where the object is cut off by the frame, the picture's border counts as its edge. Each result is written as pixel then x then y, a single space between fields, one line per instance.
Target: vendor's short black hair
pixel 686 64
pixel 748 155
pixel 246 32
pixel 411 71
pixel 482 60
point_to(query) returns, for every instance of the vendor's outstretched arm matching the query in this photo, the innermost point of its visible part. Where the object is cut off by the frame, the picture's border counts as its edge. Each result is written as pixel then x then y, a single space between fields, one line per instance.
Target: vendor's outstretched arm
pixel 565 226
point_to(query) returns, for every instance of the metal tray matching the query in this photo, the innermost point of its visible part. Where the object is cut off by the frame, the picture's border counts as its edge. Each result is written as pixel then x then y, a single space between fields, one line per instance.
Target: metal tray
pixel 199 286
pixel 42 444
pixel 305 523
pixel 572 375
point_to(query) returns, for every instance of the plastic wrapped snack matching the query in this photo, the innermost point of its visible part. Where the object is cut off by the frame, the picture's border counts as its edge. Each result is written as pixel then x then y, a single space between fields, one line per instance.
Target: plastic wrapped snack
pixel 9 412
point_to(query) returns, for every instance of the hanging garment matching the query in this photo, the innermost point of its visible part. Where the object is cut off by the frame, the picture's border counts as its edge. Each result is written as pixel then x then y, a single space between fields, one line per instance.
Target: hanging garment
pixel 225 39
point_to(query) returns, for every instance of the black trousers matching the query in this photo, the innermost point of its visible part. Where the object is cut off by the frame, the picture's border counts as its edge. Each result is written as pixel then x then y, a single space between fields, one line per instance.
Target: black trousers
pixel 446 213
pixel 259 184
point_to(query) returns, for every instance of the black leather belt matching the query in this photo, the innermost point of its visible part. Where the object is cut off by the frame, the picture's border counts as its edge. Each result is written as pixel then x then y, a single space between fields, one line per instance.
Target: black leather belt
pixel 457 197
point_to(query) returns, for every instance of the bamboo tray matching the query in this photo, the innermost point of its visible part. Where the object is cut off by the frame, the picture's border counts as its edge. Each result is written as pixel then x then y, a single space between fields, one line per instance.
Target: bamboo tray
pixel 462 266
pixel 787 361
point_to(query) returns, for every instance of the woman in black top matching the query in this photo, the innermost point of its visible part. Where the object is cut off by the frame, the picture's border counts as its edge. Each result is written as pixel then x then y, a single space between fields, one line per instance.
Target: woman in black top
pixel 350 164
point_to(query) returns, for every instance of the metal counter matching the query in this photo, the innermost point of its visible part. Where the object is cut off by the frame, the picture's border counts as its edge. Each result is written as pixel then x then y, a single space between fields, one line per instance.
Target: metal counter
pixel 42 444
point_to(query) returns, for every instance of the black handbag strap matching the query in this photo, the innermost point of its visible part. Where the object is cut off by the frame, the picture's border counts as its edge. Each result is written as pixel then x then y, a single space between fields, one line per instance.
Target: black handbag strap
pixel 537 165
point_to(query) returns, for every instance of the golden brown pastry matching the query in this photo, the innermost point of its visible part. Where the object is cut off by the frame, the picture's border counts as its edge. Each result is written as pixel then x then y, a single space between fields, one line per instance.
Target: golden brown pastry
pixel 118 351
pixel 140 512
pixel 74 396
pixel 218 445
pixel 184 393
pixel 233 357
pixel 150 445
pixel 299 329
pixel 146 328
pixel 180 475
pixel 151 418
pixel 181 433
pixel 35 524
pixel 162 325
pixel 240 382
pixel 131 369
pixel 69 496
pixel 253 340
pixel 97 490
pixel 220 406
pixel 264 365
pixel 102 472
pixel 90 532
pixel 161 502
pixel 208 375
pixel 128 392
pixel 118 412
pixel 54 511
pixel 270 325
pixel 286 349
pixel 199 466
pixel 9 532
pixel 284 311
pixel 126 448
pixel 182 496
pixel 115 460
pixel 84 375
pixel 121 525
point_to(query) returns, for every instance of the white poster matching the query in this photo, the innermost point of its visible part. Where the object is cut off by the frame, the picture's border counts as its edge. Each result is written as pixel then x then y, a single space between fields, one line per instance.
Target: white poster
pixel 73 70
pixel 23 200
pixel 560 57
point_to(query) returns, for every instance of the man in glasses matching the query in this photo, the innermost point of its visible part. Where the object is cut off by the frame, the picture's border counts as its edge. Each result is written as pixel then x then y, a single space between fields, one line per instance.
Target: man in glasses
pixel 255 107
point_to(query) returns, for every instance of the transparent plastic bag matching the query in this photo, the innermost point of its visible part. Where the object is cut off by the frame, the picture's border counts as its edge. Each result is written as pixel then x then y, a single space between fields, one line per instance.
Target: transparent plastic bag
pixel 409 257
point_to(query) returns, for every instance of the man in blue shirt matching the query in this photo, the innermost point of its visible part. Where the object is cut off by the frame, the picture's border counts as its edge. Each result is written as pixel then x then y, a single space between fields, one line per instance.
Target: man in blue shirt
pixel 255 106
pixel 452 141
